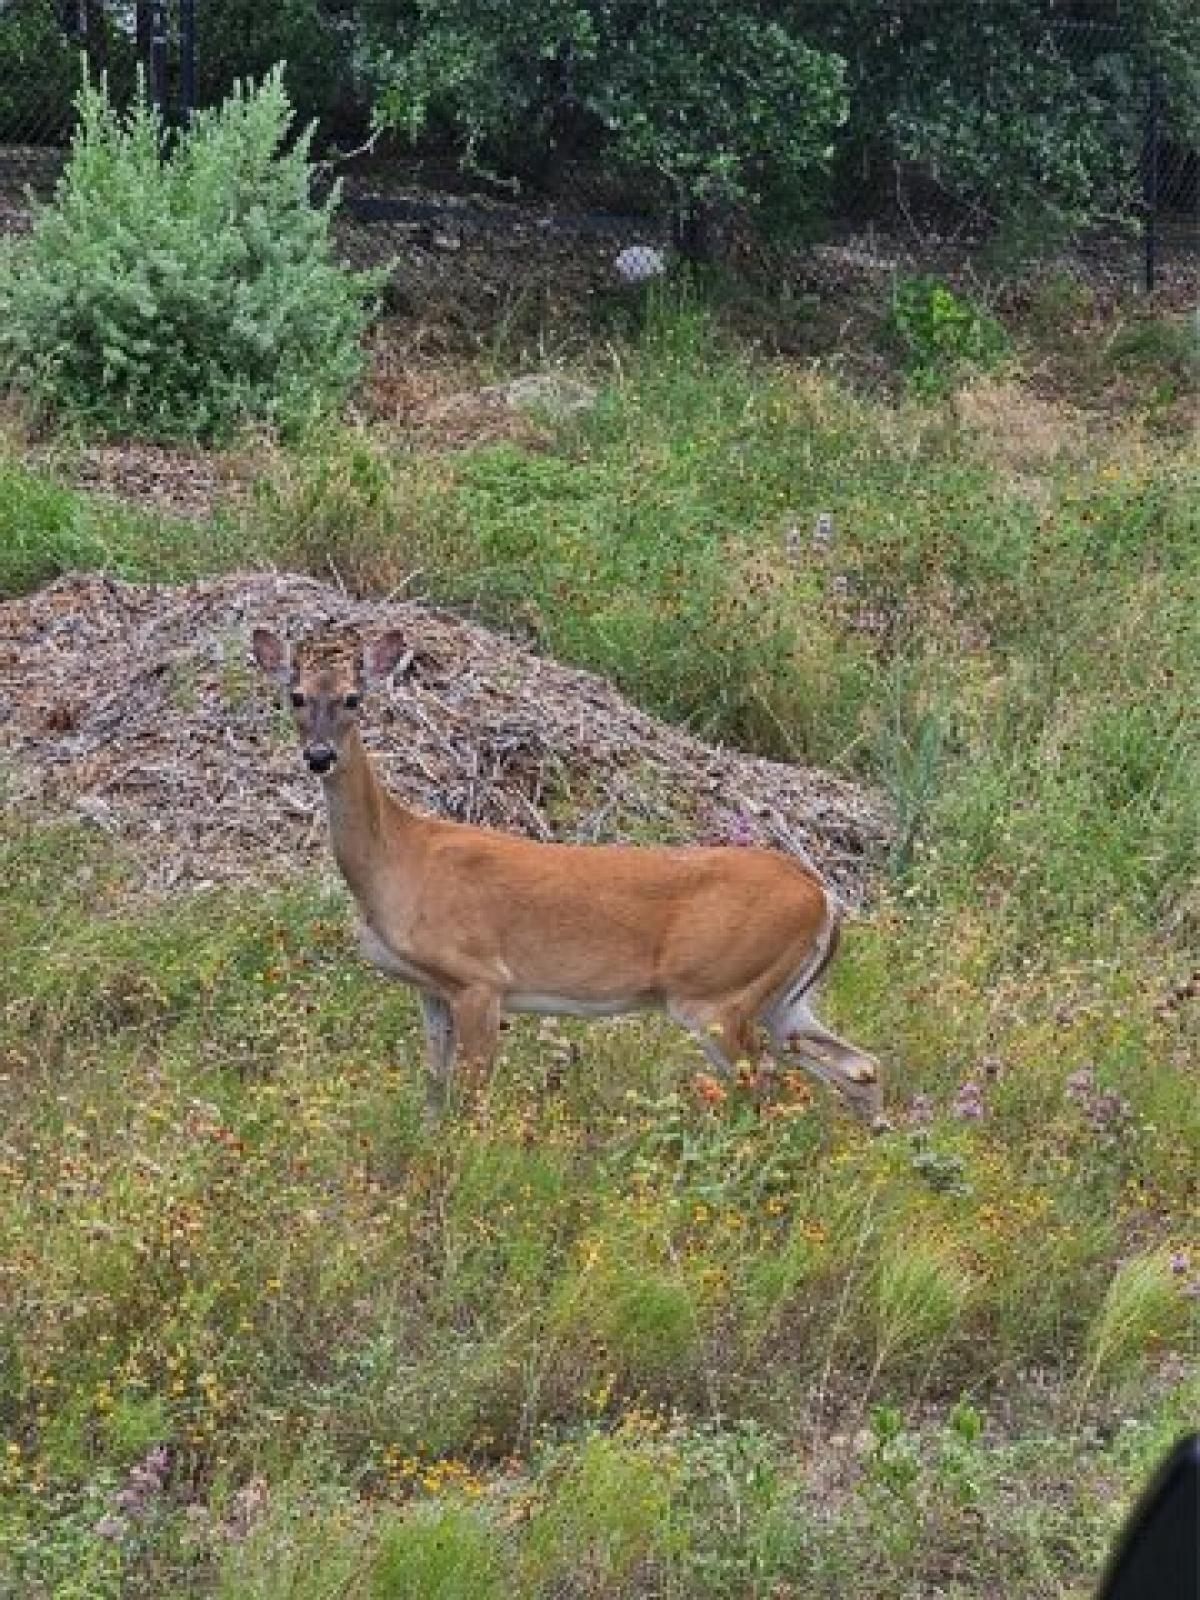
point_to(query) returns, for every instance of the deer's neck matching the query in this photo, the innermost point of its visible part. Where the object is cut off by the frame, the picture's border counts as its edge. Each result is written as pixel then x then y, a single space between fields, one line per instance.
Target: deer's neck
pixel 366 824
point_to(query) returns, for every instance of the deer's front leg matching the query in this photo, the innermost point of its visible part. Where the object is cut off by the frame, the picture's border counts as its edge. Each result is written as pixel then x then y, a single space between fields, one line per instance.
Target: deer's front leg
pixel 439 1051
pixel 475 1017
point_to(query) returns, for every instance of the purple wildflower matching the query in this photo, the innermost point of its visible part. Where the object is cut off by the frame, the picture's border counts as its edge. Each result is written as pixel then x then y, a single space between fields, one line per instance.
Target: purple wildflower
pixel 1179 1263
pixel 135 1497
pixel 736 829
pixel 968 1102
pixel 920 1110
pixel 246 1508
pixel 1105 1110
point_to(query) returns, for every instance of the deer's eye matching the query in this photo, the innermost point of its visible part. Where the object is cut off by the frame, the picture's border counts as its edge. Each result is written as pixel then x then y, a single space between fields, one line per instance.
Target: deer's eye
pixel 352 702
pixel 297 698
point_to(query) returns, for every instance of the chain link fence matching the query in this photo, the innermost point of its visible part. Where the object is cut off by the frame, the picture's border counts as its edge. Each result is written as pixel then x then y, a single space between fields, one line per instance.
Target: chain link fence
pixel 438 226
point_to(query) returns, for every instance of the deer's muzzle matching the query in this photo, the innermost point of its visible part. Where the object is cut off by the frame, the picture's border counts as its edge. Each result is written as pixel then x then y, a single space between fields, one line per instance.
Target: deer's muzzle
pixel 320 757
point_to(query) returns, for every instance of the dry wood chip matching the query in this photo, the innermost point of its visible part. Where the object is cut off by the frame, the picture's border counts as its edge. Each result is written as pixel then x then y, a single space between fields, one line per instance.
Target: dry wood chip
pixel 137 708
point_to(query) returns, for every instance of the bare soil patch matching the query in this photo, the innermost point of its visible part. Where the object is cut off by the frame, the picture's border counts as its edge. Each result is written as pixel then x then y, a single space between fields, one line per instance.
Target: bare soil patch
pixel 137 708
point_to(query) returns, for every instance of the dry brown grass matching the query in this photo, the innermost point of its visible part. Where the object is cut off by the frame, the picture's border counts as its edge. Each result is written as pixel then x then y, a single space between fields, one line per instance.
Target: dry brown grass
pixel 1016 429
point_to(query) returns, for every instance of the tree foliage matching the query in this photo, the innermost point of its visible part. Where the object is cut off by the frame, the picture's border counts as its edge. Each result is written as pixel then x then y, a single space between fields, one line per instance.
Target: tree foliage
pixel 1023 112
pixel 1019 109
pixel 713 98
pixel 316 40
pixel 39 72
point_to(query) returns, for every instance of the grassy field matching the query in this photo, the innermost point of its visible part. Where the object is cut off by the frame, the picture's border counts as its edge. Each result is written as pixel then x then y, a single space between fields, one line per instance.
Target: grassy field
pixel 264 1334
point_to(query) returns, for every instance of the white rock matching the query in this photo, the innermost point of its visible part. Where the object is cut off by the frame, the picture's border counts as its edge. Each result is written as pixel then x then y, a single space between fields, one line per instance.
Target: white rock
pixel 551 392
pixel 638 263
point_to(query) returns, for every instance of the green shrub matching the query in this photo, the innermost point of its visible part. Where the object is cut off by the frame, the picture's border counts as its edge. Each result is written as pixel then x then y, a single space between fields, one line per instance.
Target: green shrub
pixel 186 294
pixel 941 333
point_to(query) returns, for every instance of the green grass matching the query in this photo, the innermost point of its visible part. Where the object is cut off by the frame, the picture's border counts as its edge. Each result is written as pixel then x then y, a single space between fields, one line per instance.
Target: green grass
pixel 1018 669
pixel 608 1339
pixel 47 529
pixel 224 1225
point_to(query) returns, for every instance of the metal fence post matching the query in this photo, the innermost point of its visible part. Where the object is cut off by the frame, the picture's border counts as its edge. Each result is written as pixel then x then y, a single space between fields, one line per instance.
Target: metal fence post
pixel 187 60
pixel 1150 177
pixel 158 57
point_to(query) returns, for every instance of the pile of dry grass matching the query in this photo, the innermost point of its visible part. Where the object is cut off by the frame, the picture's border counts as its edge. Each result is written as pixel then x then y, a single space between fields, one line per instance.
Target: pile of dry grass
pixel 138 709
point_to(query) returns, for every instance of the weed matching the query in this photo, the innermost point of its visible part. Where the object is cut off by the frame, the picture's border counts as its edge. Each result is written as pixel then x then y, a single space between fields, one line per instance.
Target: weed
pixel 1141 1307
pixel 1168 349
pixel 47 530
pixel 921 1293
pixel 338 508
pixel 605 1514
pixel 440 1552
pixel 299 1543
pixel 941 334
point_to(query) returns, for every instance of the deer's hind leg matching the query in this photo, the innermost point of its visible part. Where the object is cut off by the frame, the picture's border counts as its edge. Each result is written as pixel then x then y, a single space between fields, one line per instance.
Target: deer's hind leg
pixel 796 1036
pixel 725 1031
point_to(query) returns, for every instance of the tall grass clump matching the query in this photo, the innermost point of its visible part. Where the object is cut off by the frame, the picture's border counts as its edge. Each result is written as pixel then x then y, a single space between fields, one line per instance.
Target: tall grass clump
pixel 441 1553
pixel 1141 1307
pixel 921 1293
pixel 181 287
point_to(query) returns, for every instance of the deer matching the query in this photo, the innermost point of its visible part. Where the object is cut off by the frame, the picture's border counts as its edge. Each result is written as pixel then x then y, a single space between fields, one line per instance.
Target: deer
pixel 728 940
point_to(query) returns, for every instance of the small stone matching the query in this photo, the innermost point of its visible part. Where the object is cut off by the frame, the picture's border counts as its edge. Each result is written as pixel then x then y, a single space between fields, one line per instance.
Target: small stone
pixel 639 263
pixel 552 393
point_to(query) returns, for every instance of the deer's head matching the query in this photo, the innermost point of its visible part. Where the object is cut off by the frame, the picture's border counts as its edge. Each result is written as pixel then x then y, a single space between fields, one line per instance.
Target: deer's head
pixel 324 690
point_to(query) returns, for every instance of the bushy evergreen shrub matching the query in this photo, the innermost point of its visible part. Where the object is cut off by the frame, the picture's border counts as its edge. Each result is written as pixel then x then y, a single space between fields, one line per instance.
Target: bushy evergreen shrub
pixel 183 286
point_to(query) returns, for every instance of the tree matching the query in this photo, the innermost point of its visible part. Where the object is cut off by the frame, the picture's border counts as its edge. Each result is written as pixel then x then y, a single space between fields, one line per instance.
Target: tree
pixel 712 99
pixel 1025 111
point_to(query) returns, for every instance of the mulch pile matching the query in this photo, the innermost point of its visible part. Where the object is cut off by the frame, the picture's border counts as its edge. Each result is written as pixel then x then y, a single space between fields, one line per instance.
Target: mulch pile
pixel 138 709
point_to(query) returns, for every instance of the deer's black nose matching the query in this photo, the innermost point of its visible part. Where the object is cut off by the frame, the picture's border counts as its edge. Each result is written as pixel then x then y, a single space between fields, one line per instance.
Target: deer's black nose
pixel 320 757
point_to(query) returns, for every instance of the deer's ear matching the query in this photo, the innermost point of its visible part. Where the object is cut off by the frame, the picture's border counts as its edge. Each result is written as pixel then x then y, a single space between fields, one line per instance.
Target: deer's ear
pixel 380 656
pixel 272 654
